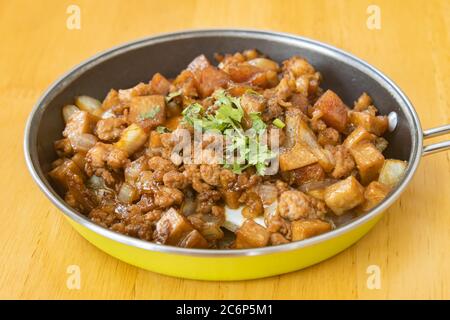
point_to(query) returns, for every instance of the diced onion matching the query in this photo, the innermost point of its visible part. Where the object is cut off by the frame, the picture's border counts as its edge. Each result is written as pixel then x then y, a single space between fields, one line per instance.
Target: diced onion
pixel 68 111
pixel 89 104
pixel 127 193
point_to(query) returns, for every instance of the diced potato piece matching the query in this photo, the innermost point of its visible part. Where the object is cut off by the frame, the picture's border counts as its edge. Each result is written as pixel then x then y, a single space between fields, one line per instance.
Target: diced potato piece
pixel 358 135
pixel 344 195
pixel 148 111
pixel 172 228
pixel 297 157
pixel 68 111
pixel 231 198
pixel 392 172
pixel 79 123
pixel 155 139
pixel 374 194
pixel 66 171
pixel 193 239
pixel 251 235
pixel 89 104
pixel 369 161
pixel 333 109
pixel 311 173
pixel 131 139
pixel 302 229
pixel 374 124
pixel 363 102
pixel 198 64
pixel 211 79
pixel 159 84
pixel 317 193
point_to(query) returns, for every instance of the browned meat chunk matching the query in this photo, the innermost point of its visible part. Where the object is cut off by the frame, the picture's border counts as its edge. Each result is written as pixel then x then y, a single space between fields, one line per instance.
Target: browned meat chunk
pixel 110 129
pixel 294 205
pixel 344 163
pixel 103 158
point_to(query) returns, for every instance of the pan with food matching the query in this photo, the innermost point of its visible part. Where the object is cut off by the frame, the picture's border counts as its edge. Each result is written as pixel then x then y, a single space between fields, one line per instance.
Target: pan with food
pixel 222 162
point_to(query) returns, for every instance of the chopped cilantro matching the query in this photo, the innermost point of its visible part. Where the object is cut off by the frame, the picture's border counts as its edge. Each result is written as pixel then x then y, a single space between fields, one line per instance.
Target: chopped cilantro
pixel 150 114
pixel 172 95
pixel 227 119
pixel 162 129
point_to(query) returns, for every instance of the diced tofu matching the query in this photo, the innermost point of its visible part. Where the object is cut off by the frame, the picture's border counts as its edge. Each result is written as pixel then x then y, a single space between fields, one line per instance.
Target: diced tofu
pixel 172 228
pixel 297 157
pixel 131 139
pixel 374 194
pixel 89 104
pixel 159 84
pixel 373 124
pixel 211 79
pixel 392 172
pixel 303 229
pixel 251 235
pixel 358 135
pixel 193 239
pixel 369 161
pixel 333 109
pixel 148 111
pixel 344 195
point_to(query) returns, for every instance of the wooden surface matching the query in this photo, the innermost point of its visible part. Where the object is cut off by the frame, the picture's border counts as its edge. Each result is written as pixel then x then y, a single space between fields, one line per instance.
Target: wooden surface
pixel 411 245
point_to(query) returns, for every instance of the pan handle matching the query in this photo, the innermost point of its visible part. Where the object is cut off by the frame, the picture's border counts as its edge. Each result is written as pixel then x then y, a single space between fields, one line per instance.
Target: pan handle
pixel 439 146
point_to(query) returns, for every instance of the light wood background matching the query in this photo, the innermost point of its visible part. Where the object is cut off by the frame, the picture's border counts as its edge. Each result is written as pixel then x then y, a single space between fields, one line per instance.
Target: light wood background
pixel 411 245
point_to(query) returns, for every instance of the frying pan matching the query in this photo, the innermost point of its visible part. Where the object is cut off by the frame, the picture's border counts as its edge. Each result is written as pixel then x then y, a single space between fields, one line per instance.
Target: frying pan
pixel 128 64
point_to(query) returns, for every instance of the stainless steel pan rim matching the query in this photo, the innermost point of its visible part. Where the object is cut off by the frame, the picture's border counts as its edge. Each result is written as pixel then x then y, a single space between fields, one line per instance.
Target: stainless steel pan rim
pixel 30 145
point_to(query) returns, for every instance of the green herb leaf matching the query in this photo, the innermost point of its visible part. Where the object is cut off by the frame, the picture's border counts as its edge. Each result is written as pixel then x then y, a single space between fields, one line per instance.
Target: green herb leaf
pixel 280 124
pixel 162 129
pixel 257 123
pixel 172 95
pixel 151 114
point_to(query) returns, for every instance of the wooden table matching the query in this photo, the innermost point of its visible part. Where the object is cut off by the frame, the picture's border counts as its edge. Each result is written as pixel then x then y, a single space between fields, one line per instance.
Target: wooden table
pixel 411 245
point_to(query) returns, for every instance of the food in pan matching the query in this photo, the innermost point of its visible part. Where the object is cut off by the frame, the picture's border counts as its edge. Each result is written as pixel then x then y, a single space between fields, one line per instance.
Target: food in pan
pixel 245 154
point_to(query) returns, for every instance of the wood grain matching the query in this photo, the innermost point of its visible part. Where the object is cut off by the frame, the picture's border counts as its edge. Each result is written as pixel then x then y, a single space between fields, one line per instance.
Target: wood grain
pixel 410 245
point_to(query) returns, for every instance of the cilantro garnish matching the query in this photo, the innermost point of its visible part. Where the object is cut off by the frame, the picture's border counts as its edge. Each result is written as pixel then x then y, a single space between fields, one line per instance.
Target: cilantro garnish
pixel 150 114
pixel 227 120
pixel 162 129
pixel 172 95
